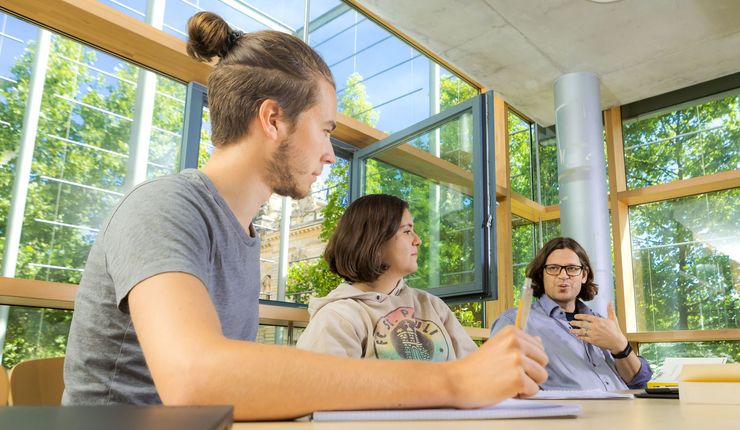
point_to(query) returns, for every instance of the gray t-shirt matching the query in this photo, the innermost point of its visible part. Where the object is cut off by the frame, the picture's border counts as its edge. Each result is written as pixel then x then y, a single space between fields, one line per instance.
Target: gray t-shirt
pixel 177 223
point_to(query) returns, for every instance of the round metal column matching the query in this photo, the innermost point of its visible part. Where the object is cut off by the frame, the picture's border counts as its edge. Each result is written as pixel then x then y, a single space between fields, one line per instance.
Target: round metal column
pixel 584 213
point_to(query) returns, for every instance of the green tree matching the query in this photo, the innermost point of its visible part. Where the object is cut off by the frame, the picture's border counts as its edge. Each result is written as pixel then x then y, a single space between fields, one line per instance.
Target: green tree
pixel 355 103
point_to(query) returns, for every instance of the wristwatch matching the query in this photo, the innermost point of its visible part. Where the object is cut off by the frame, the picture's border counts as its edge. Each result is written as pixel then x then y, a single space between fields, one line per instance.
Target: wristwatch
pixel 624 354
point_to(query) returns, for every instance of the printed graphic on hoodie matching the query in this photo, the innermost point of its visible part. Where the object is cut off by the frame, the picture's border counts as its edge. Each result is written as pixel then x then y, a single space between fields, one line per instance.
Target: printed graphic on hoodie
pixel 399 335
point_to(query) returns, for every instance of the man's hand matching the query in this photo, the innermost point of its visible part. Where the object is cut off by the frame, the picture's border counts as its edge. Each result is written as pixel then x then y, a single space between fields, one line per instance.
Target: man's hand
pixel 512 363
pixel 602 332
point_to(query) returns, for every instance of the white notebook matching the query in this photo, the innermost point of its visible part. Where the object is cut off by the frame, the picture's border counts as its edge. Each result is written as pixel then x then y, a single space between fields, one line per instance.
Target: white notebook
pixel 511 408
pixel 579 394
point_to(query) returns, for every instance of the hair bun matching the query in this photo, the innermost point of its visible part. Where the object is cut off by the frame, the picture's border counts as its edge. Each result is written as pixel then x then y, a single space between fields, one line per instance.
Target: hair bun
pixel 231 41
pixel 209 36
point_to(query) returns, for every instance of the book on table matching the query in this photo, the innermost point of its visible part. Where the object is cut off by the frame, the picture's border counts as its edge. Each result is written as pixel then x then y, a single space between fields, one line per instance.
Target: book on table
pixel 671 369
pixel 710 383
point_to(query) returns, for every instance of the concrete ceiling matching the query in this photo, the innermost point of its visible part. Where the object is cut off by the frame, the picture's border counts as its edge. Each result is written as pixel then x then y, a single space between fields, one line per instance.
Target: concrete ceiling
pixel 518 48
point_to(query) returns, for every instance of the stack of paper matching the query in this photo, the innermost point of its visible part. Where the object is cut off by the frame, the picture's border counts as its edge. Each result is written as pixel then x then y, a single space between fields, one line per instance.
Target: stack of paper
pixel 710 383
pixel 510 408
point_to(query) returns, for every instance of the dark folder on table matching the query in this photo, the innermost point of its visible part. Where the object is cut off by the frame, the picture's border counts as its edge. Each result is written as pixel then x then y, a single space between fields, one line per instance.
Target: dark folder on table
pixel 659 393
pixel 117 417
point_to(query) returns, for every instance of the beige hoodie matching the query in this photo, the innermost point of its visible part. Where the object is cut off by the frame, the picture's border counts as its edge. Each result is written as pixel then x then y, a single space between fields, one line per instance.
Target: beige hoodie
pixel 405 324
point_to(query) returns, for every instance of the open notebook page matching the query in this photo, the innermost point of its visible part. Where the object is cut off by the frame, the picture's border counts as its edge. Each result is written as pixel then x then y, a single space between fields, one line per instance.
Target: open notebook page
pixel 510 408
pixel 580 394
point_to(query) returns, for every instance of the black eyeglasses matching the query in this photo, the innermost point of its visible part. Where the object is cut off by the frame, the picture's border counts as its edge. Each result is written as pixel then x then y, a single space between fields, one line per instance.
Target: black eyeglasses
pixel 570 270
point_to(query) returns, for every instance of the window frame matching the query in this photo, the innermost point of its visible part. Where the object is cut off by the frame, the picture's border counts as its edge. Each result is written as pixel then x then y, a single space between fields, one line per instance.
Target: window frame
pixel 484 285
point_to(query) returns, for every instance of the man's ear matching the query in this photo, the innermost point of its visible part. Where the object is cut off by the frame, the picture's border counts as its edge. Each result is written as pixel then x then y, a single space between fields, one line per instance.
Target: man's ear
pixel 269 118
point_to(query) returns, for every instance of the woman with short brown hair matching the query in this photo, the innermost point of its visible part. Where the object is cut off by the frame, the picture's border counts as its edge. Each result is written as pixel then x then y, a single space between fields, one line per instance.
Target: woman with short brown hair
pixel 375 314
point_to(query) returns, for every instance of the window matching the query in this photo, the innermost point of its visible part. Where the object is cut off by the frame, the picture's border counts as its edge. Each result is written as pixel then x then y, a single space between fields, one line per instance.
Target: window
pixel 246 16
pixel 354 47
pixel 524 246
pixel 90 126
pixel 527 238
pixel 696 139
pixel 313 221
pixel 684 256
pixel 363 56
pixel 35 333
pixel 547 154
pixel 520 155
pixel 470 314
pixel 431 168
pixel 389 84
pixel 655 353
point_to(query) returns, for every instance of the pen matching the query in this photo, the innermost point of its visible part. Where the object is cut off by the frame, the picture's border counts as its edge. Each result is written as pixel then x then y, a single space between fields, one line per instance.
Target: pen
pixel 525 302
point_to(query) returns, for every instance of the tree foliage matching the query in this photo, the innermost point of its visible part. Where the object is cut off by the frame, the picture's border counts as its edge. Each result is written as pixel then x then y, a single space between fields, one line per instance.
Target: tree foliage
pixel 355 103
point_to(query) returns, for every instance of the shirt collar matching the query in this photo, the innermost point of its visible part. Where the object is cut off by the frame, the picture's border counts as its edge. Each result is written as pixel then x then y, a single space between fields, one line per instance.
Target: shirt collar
pixel 550 307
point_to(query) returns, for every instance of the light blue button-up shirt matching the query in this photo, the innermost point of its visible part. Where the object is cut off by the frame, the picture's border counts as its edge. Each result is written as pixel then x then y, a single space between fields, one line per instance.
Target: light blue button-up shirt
pixel 574 364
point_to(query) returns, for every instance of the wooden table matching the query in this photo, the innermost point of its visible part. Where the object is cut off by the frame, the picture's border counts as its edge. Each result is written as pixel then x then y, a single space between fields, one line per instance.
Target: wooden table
pixel 648 414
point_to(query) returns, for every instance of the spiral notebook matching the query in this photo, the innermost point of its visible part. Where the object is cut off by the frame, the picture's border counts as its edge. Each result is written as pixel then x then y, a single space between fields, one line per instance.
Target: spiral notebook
pixel 511 408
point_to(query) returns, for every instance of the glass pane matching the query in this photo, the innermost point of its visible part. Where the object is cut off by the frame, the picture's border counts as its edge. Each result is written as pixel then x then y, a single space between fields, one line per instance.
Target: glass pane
pixel 550 229
pixel 526 241
pixel 452 141
pixel 35 333
pixel 133 8
pixel 655 353
pixel 685 259
pixel 469 314
pixel 524 247
pixel 520 155
pixel 276 335
pixel 313 221
pixel 364 58
pixel 548 155
pixel 267 224
pixel 251 15
pixel 695 140
pixel 443 218
pixel 206 146
pixel 91 143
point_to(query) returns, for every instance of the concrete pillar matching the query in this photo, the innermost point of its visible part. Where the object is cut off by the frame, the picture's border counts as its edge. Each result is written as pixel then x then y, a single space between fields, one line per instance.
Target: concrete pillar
pixel 584 213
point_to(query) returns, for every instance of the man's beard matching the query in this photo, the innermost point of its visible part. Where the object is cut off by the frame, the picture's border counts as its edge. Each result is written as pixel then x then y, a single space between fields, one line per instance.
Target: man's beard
pixel 282 179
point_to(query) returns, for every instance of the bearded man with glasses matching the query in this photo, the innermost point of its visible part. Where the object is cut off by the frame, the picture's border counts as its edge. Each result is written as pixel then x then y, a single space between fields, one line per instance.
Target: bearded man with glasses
pixel 587 351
